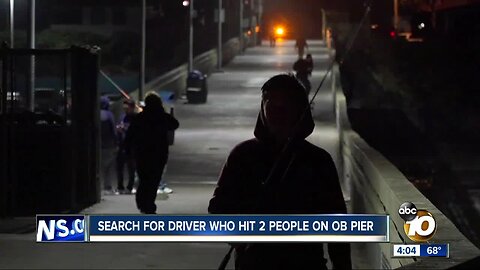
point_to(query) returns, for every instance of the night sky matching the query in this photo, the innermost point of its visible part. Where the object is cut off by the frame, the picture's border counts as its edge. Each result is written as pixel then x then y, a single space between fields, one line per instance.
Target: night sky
pixel 303 17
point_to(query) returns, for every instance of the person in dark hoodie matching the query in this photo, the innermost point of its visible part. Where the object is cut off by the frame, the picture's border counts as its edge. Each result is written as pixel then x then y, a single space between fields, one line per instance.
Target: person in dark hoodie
pixel 147 140
pixel 122 157
pixel 108 144
pixel 248 185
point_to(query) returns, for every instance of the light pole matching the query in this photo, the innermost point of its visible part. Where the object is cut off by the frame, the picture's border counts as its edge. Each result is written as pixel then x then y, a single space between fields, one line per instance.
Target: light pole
pixel 254 22
pixel 11 24
pixel 258 21
pixel 31 43
pixel 142 54
pixel 219 45
pixel 190 37
pixel 240 33
pixel 324 25
pixel 31 29
pixel 395 15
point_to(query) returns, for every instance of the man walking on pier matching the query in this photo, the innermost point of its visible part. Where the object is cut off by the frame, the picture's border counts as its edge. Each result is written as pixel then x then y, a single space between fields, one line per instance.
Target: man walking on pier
pixel 147 140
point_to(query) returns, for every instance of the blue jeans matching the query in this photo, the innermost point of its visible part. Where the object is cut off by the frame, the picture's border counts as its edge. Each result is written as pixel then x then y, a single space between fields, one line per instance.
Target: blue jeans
pixel 163 183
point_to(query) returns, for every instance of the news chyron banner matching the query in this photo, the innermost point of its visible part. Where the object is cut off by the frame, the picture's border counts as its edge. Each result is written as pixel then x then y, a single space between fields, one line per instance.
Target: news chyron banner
pixel 61 228
pixel 213 228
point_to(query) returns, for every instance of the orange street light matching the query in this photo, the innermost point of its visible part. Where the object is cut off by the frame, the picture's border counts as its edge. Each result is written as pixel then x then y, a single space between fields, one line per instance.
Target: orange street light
pixel 280 31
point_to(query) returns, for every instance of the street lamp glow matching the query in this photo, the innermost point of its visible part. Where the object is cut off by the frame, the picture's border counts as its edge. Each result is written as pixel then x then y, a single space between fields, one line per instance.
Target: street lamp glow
pixel 186 3
pixel 280 31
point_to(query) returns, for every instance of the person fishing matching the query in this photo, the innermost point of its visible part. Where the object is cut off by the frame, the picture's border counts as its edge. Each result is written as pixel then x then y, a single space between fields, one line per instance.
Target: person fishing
pixel 249 185
pixel 303 69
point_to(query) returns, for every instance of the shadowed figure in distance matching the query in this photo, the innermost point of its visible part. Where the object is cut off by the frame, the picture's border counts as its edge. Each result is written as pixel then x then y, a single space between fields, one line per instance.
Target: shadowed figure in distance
pixel 303 70
pixel 305 180
pixel 301 45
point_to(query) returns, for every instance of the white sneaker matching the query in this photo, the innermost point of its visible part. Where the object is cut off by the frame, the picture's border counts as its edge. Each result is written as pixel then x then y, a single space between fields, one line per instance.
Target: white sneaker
pixel 160 191
pixel 108 192
pixel 167 190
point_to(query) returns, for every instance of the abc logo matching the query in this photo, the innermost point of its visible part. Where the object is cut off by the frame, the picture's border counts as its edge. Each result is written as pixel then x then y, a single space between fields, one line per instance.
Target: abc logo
pixel 420 226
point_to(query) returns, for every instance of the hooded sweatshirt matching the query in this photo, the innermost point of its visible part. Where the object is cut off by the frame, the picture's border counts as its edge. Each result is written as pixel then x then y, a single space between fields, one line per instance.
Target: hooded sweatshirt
pixel 146 137
pixel 309 186
pixel 107 125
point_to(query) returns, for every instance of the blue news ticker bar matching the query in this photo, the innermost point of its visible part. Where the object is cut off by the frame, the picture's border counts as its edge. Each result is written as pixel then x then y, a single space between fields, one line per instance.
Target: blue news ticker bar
pixel 434 250
pixel 378 224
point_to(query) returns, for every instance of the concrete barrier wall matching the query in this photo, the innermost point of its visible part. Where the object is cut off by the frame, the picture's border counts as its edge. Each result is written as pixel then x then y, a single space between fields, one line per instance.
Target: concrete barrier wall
pixel 378 187
pixel 175 79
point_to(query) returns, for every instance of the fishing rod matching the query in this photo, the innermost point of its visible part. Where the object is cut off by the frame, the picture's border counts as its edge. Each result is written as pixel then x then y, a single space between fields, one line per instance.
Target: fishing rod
pixel 290 140
pixel 307 108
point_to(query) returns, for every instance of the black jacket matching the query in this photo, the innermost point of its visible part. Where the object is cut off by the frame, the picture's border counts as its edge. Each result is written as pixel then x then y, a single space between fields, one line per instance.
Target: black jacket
pixel 303 68
pixel 146 137
pixel 310 186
